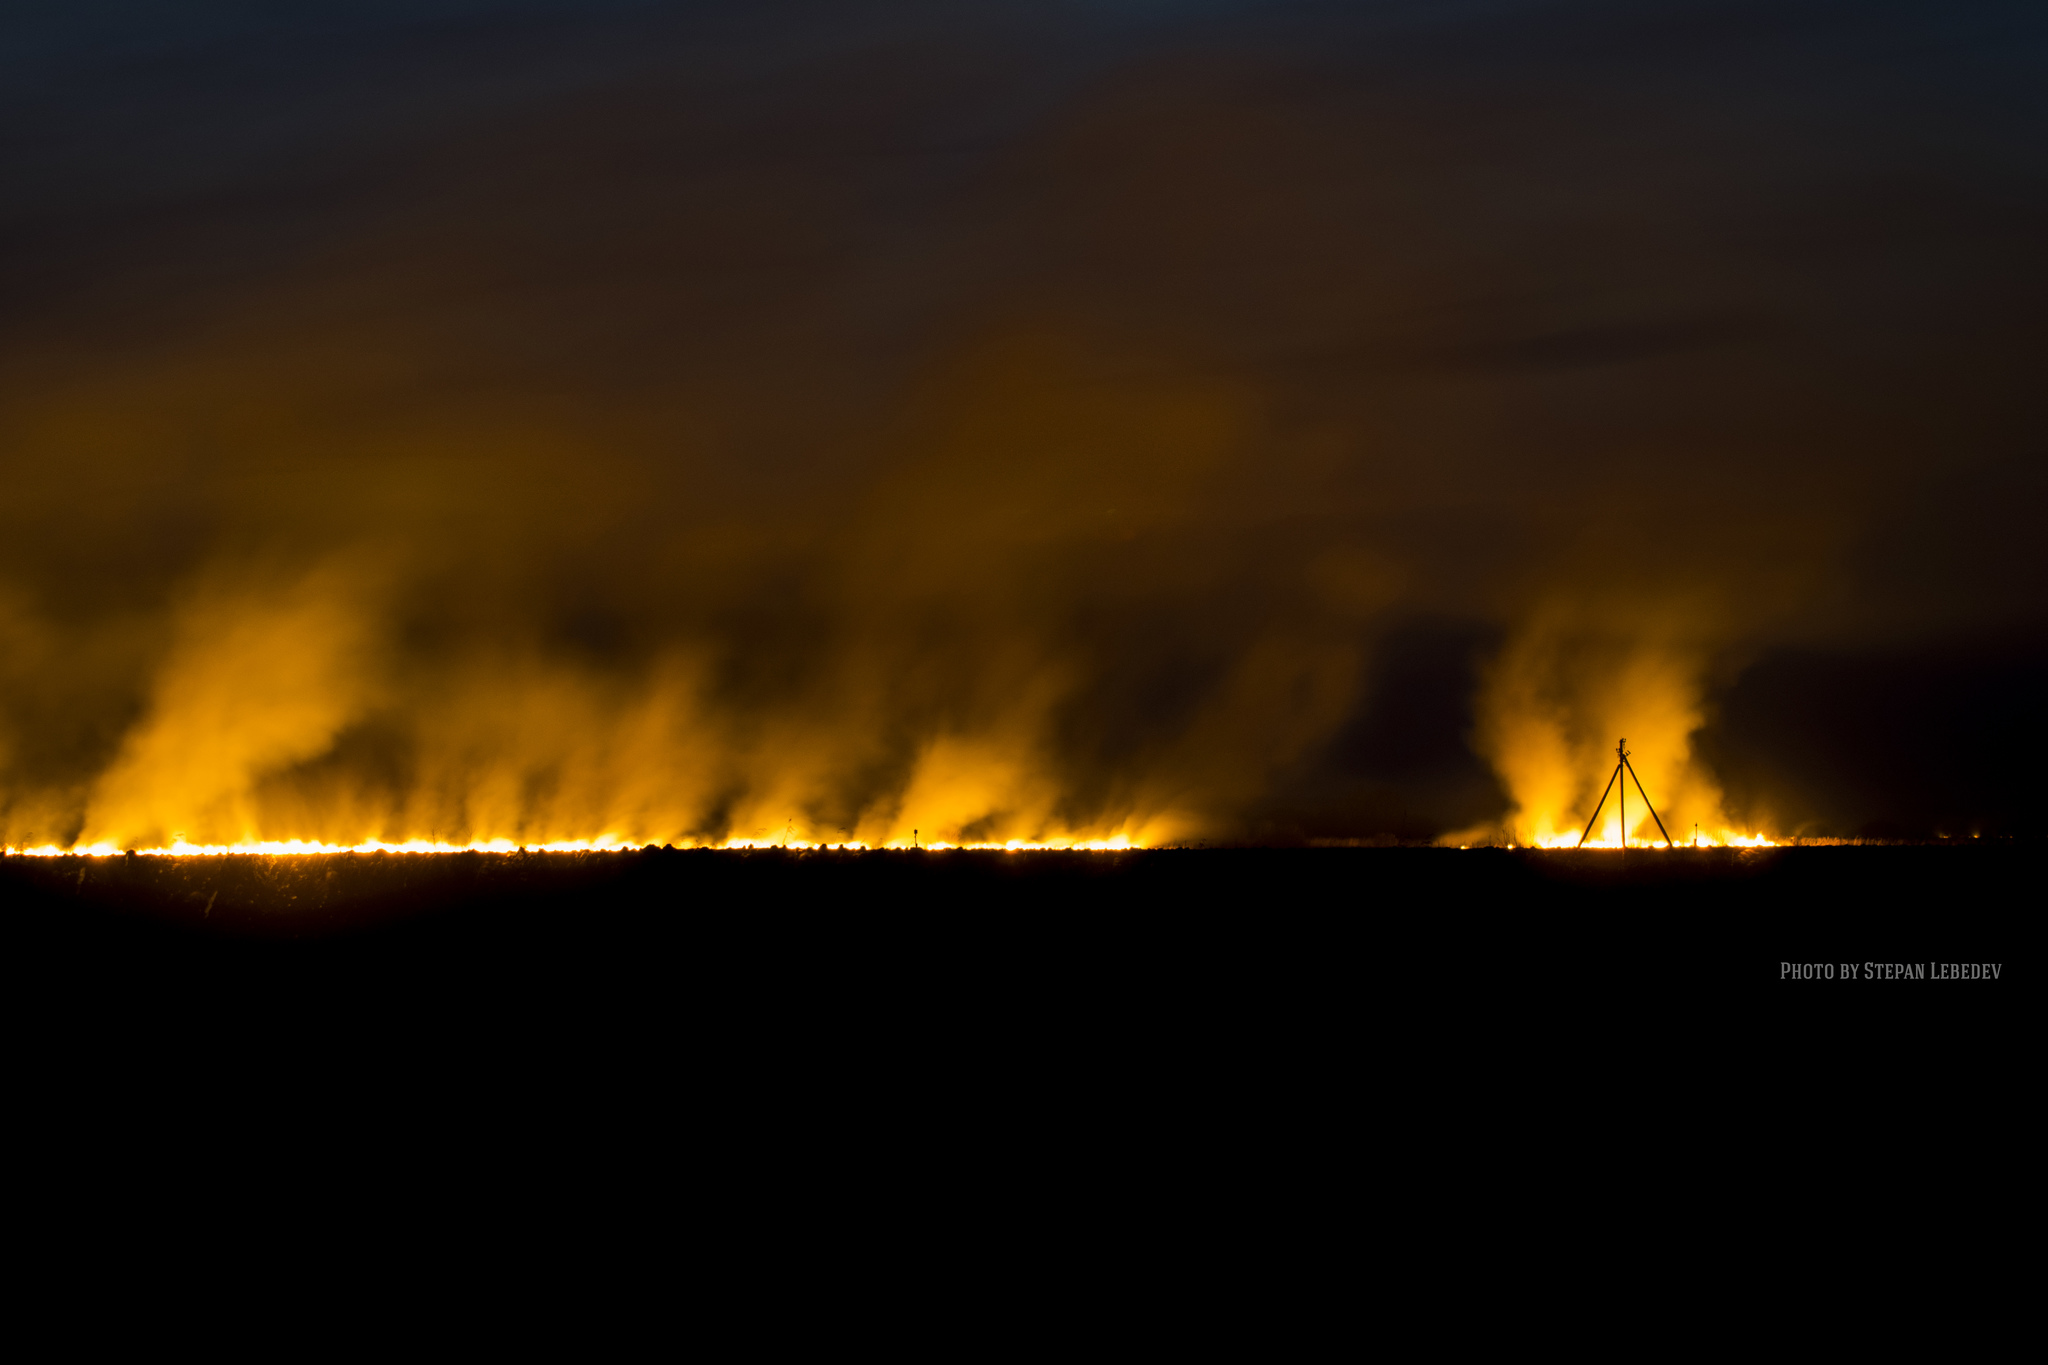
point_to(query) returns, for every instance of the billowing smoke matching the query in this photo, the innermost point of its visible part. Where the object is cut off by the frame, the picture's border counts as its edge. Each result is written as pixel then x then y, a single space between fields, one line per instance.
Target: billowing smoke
pixel 1559 700
pixel 1245 423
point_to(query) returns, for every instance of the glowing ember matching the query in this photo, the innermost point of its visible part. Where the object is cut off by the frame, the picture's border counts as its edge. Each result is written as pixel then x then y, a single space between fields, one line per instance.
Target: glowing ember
pixel 609 843
pixel 604 843
pixel 1726 838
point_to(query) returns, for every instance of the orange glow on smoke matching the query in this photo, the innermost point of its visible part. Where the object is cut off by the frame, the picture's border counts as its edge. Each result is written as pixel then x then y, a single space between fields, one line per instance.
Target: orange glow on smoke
pixel 259 688
pixel 1577 674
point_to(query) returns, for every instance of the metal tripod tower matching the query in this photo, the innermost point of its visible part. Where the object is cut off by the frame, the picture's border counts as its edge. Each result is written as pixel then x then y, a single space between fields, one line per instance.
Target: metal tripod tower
pixel 1622 765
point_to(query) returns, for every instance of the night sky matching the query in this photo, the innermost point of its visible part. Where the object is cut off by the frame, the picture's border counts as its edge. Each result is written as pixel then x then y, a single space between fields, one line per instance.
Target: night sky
pixel 1242 422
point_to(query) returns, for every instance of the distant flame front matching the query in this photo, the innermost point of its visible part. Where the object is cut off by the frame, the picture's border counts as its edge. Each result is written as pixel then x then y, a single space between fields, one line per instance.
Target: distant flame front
pixel 605 843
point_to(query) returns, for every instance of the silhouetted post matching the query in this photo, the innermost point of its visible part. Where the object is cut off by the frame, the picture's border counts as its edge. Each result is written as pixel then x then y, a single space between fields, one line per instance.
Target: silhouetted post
pixel 1622 765
pixel 1622 795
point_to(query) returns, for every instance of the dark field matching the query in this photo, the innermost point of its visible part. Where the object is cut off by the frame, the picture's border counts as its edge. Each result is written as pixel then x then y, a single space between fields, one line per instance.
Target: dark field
pixel 782 1036
pixel 1174 929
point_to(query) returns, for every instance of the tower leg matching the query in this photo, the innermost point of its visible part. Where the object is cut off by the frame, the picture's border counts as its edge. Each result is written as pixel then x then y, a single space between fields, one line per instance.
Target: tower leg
pixel 1646 801
pixel 1596 810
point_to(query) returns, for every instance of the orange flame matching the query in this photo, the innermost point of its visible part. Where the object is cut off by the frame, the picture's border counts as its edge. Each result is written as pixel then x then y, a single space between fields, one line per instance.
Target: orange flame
pixel 604 843
pixel 1571 679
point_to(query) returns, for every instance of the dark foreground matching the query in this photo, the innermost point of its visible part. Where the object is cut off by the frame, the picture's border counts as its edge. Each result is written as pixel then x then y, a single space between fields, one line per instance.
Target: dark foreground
pixel 1325 934
pixel 819 1042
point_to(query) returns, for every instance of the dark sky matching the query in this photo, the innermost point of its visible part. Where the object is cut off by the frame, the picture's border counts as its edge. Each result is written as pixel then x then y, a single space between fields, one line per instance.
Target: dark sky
pixel 1243 421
